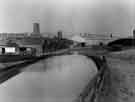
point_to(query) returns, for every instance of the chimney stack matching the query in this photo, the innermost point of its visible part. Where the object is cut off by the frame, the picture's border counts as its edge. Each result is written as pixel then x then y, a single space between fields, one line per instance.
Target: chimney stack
pixel 36 28
pixel 134 33
pixel 59 34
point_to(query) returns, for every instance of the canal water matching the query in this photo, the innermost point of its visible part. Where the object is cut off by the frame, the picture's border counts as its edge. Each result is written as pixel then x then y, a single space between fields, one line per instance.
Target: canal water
pixel 57 79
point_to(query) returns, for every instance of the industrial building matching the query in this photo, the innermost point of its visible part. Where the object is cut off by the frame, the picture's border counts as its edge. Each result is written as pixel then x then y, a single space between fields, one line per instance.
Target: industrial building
pixel 23 42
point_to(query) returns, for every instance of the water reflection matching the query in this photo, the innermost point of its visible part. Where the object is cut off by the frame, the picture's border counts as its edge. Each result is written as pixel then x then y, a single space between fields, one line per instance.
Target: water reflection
pixel 58 79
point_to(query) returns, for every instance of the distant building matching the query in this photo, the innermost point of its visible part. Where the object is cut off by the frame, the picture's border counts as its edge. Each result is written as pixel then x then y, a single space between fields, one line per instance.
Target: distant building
pixel 8 48
pixel 59 34
pixel 4 36
pixel 35 43
pixel 134 33
pixel 36 28
pixel 97 39
pixel 25 41
pixel 78 41
pixel 35 33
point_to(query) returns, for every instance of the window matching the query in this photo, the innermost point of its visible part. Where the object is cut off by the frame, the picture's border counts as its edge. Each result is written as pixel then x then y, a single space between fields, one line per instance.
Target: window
pixel 10 50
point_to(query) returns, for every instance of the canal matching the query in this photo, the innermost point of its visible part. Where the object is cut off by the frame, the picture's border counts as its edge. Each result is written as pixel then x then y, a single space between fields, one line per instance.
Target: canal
pixel 57 79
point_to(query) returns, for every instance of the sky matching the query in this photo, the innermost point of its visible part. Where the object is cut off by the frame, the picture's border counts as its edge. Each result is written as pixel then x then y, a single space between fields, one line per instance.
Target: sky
pixel 70 16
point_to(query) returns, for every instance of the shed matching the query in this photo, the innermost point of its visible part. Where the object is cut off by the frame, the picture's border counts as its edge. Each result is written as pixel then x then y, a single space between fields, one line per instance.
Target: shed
pixel 30 42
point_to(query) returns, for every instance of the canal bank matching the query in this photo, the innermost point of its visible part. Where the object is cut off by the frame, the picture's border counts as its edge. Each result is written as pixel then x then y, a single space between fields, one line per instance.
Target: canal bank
pixel 61 81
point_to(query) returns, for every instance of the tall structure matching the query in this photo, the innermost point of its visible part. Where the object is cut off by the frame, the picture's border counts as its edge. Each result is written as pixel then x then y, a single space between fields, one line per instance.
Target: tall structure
pixel 133 37
pixel 59 34
pixel 36 28
pixel 134 33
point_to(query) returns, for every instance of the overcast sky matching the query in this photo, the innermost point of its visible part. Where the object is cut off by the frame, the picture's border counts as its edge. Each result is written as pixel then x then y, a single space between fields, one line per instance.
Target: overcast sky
pixel 77 16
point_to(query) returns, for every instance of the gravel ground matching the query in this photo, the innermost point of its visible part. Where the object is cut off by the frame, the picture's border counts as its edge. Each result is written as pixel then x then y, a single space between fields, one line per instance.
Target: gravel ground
pixel 122 67
pixel 118 84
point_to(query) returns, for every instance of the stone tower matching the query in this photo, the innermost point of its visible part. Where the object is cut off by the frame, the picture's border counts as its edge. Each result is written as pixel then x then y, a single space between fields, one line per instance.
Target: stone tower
pixel 36 28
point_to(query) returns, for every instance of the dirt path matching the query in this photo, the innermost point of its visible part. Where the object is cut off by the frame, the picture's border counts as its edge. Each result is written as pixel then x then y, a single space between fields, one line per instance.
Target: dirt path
pixel 123 79
pixel 118 82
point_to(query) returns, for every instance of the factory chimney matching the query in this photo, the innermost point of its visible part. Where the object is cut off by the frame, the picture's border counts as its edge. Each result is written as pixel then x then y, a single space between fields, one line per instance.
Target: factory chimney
pixel 36 28
pixel 133 40
pixel 59 34
pixel 134 33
